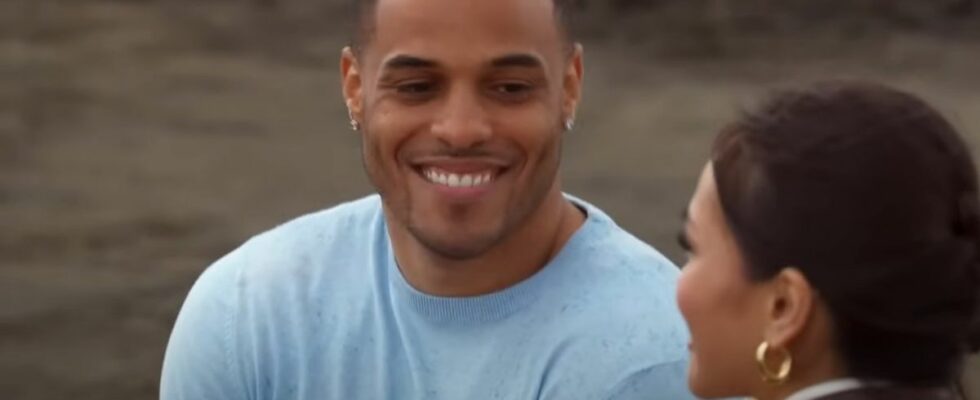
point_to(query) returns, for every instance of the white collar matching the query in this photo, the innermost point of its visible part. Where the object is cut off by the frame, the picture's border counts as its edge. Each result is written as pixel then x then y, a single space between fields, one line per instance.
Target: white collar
pixel 826 388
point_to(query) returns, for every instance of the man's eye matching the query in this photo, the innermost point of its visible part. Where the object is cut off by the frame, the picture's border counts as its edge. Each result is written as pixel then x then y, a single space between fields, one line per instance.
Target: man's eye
pixel 415 88
pixel 512 88
pixel 512 92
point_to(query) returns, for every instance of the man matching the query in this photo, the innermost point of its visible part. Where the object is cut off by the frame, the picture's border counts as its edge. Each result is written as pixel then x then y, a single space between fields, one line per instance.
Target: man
pixel 471 276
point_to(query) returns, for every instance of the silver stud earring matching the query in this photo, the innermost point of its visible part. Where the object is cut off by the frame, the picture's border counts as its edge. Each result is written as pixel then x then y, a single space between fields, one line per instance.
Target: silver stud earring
pixel 569 124
pixel 354 125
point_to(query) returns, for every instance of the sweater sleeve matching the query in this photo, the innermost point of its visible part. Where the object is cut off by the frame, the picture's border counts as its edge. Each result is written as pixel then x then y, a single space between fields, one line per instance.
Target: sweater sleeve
pixel 667 381
pixel 201 360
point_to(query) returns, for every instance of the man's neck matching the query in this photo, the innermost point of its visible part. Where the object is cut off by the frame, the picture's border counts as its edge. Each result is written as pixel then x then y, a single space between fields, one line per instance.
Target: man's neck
pixel 519 256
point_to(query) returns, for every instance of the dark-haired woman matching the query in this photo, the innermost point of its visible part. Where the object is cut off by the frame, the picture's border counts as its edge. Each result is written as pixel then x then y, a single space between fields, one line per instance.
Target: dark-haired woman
pixel 834 251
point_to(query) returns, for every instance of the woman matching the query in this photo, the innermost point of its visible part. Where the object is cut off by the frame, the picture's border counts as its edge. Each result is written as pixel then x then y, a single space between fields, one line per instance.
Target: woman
pixel 834 251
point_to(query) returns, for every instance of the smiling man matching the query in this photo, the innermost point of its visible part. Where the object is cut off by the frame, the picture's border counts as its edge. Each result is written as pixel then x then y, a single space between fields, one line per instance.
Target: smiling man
pixel 471 275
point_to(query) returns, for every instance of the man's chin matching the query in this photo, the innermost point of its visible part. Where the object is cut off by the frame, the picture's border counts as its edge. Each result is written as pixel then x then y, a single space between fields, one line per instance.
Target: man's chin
pixel 458 247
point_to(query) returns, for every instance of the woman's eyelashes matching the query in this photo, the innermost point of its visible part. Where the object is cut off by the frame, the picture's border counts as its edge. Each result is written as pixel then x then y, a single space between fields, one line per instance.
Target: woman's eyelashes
pixel 684 242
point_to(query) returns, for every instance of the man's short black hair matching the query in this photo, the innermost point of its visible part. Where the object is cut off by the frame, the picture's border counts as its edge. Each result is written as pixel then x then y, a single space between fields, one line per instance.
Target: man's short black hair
pixel 363 12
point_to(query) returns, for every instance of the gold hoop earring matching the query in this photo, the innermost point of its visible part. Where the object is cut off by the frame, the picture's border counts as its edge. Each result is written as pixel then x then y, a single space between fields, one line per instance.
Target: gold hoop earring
pixel 768 376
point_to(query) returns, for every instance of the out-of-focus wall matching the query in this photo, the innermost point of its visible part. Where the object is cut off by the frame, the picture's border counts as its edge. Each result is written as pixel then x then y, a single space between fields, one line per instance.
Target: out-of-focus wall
pixel 141 140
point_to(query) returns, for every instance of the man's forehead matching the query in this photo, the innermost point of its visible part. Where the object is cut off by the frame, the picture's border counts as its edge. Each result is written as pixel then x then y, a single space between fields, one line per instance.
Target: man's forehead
pixel 544 8
pixel 482 29
pixel 400 61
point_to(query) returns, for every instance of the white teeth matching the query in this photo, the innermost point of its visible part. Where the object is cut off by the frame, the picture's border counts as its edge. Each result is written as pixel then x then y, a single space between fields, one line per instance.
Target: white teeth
pixel 457 180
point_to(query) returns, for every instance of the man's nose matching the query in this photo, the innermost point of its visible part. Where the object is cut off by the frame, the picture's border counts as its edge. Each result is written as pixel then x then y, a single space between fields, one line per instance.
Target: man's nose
pixel 463 122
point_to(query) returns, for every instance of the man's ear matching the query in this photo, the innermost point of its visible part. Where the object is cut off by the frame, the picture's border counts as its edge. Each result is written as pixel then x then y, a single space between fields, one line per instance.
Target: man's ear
pixel 351 83
pixel 572 82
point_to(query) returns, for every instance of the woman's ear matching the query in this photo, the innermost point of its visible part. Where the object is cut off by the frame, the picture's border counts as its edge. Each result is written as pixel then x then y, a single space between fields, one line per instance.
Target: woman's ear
pixel 790 308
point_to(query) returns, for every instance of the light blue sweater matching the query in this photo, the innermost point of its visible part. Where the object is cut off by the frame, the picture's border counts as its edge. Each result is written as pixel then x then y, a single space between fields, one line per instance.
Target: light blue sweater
pixel 317 309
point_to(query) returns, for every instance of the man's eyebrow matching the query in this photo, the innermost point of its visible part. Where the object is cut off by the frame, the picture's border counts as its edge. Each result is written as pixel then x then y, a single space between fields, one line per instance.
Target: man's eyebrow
pixel 517 60
pixel 406 61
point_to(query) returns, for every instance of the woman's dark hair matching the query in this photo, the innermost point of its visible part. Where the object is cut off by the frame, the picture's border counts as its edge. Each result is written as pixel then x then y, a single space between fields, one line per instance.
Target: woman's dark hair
pixel 872 194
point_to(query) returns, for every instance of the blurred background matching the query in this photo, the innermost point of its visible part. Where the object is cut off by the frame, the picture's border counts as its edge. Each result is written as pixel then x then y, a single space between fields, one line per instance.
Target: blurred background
pixel 142 139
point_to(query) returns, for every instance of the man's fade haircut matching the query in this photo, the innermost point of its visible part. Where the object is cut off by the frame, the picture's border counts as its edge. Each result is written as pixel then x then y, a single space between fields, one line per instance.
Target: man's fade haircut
pixel 365 20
